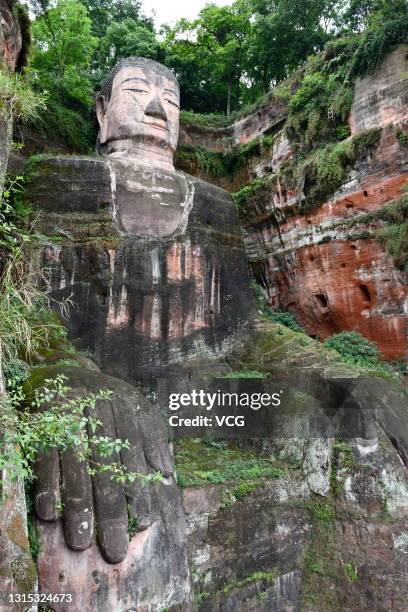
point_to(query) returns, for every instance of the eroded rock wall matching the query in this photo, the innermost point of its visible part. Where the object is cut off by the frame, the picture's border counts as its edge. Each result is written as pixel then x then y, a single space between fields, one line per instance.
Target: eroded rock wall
pixel 158 275
pixel 293 546
pixel 327 263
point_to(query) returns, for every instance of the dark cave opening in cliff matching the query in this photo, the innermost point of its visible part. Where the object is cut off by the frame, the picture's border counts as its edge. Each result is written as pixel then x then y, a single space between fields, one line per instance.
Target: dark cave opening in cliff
pixel 365 293
pixel 322 300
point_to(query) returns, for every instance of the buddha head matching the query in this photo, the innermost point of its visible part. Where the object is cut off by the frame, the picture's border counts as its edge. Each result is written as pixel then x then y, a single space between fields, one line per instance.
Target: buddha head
pixel 10 36
pixel 138 112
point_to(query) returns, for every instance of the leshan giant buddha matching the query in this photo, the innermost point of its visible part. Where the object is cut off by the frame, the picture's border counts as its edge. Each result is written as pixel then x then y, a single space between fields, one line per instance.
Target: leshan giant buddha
pixel 154 258
pixel 154 261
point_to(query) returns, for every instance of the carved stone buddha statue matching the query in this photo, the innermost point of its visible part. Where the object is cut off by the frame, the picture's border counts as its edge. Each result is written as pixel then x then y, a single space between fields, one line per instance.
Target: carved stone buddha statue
pixel 154 262
pixel 153 258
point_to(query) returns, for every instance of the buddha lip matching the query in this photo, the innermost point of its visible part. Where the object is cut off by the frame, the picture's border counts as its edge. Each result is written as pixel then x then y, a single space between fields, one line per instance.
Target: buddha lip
pixel 160 127
pixel 156 125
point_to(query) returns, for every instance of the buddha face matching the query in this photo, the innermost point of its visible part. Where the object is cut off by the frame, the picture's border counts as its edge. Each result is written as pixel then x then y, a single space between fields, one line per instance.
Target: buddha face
pixel 142 114
pixel 10 37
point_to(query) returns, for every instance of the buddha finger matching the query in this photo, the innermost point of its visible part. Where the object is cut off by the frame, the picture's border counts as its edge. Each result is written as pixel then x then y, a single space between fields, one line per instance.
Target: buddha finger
pixel 46 494
pixel 110 500
pixel 133 459
pixel 156 446
pixel 78 513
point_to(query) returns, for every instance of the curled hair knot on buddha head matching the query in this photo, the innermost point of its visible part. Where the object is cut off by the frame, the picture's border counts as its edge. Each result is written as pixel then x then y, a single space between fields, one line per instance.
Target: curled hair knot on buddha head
pixel 134 62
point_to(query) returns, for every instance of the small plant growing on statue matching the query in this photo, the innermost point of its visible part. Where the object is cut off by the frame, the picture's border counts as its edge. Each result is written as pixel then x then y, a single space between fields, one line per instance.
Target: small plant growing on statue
pixel 51 419
pixel 351 572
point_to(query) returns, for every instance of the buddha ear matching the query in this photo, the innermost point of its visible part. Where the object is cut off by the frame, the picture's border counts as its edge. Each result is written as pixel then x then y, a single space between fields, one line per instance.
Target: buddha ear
pixel 101 108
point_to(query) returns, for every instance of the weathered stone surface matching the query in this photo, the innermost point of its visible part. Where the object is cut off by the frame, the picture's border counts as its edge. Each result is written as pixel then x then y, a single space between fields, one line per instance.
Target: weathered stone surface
pixel 152 292
pixel 88 551
pixel 381 97
pixel 258 534
pixel 328 265
pixel 331 532
pixel 10 35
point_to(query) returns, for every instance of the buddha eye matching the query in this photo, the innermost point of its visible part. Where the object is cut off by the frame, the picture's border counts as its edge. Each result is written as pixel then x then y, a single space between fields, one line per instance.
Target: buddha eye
pixel 172 103
pixel 137 90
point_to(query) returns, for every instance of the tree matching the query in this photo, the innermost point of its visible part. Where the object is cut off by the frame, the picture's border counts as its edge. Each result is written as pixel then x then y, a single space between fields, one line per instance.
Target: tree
pixel 284 33
pixel 215 43
pixel 60 65
pixel 63 47
pixel 123 39
pixel 104 13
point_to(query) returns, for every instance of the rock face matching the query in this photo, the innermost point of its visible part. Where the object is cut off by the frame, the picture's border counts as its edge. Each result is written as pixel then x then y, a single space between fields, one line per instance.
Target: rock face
pixel 285 548
pixel 314 538
pixel 158 275
pixel 114 547
pixel 10 47
pixel 328 264
pixel 381 98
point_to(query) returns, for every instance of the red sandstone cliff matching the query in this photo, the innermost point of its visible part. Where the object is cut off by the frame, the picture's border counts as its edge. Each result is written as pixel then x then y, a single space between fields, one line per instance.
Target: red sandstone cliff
pixel 329 266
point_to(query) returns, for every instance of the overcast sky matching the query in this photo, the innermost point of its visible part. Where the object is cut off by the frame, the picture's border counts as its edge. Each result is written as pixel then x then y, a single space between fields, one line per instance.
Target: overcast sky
pixel 170 11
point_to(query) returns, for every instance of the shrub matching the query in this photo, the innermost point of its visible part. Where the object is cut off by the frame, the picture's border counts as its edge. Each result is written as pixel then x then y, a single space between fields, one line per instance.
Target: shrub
pixel 74 127
pixel 245 374
pixel 377 41
pixel 248 193
pixel 285 318
pixel 17 97
pixel 354 348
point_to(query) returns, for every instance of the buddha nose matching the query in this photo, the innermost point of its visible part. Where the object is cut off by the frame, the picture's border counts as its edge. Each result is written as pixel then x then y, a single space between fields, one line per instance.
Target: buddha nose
pixel 155 109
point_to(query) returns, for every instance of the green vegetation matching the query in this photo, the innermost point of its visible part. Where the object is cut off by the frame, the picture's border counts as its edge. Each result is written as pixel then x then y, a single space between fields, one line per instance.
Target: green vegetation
pixel 342 462
pixel 394 234
pixel 61 59
pixel 263 577
pixel 324 170
pixel 277 316
pixel 354 348
pixel 285 318
pixel 17 97
pixel 217 120
pixel 351 572
pixel 402 137
pixel 322 512
pixel 256 190
pixel 224 164
pixel 48 417
pixel 312 565
pixel 133 526
pixel 240 491
pixel 244 374
pixel 33 540
pixel 199 463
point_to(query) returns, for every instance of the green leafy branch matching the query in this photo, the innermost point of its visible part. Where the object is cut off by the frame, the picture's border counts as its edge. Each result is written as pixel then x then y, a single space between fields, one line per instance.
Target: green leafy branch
pixel 53 420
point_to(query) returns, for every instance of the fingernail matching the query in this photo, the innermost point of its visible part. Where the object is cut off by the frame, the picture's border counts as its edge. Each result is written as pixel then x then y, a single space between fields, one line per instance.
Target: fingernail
pixel 114 541
pixel 45 504
pixel 78 529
